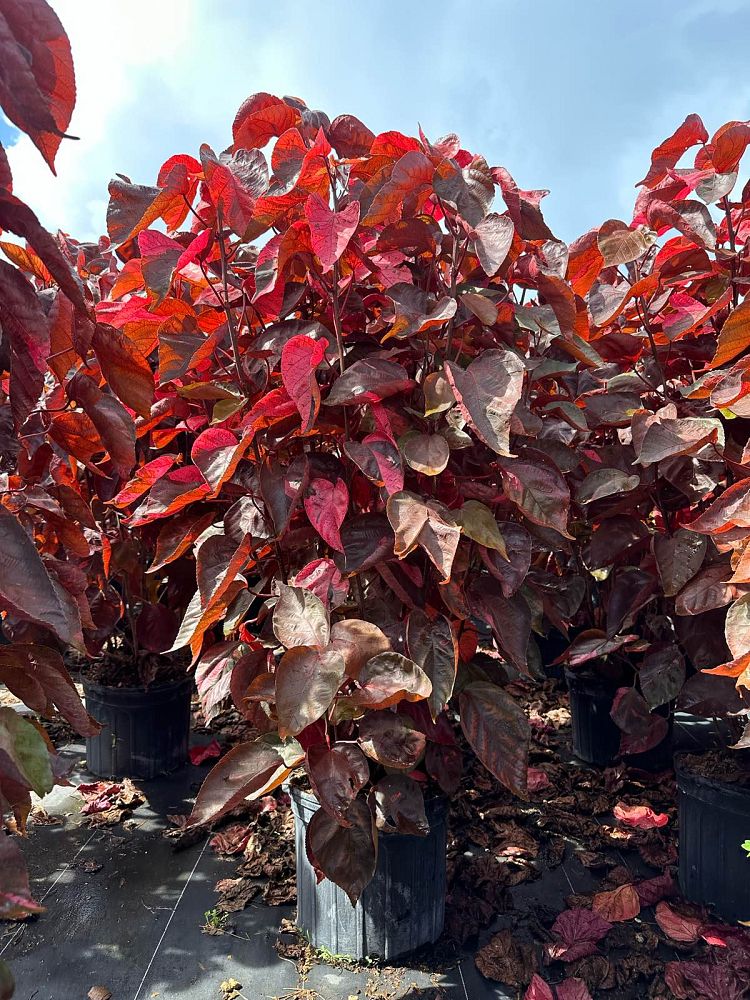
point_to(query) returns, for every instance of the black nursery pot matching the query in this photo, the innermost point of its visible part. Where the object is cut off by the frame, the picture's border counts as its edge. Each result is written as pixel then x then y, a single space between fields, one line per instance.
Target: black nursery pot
pixel 714 820
pixel 596 737
pixel 550 647
pixel 145 730
pixel 401 909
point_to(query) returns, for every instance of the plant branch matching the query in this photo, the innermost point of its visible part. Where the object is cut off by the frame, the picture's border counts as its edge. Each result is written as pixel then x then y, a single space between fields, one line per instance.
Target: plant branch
pixel 228 309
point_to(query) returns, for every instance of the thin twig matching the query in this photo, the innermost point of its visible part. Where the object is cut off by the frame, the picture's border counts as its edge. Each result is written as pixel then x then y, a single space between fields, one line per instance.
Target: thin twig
pixel 228 309
pixel 733 247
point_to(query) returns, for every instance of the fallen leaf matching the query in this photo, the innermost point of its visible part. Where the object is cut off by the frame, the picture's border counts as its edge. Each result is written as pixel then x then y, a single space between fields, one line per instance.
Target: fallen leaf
pixel 620 904
pixel 537 779
pixel 677 926
pixel 505 960
pixel 640 817
pixel 203 753
pixel 652 890
pixel 573 989
pixel 576 931
pixel 538 989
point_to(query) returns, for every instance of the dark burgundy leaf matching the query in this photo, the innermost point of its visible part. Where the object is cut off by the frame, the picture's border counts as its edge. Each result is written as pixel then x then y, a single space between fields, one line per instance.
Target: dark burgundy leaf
pixel 498 732
pixel 345 855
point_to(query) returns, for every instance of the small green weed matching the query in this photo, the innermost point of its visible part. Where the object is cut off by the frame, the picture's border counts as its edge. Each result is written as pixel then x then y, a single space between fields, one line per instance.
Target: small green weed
pixel 215 921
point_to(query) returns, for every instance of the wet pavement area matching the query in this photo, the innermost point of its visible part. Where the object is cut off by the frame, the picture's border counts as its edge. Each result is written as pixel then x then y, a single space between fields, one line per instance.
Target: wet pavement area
pixel 124 910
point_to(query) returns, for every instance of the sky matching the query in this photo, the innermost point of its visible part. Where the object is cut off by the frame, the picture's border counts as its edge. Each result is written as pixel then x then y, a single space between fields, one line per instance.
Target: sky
pixel 568 95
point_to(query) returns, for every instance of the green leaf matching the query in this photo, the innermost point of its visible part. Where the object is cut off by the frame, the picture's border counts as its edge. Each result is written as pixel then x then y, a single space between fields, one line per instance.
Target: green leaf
pixel 27 750
pixel 7 985
pixel 478 522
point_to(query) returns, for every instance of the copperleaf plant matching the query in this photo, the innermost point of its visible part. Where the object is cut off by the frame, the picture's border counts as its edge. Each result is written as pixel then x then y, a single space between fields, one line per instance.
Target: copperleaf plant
pixel 41 519
pixel 364 404
pixel 661 480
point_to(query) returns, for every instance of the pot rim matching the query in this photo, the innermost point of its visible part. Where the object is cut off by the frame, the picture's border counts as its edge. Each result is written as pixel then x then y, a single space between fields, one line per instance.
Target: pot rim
pixel 688 776
pixel 95 687
pixel 437 802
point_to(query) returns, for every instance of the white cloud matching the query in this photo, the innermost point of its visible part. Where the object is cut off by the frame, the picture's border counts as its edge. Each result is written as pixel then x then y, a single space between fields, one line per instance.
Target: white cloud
pixel 572 98
pixel 111 52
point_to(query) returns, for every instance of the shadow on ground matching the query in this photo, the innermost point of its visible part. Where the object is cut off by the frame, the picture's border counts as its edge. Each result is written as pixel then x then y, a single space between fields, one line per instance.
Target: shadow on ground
pixel 124 911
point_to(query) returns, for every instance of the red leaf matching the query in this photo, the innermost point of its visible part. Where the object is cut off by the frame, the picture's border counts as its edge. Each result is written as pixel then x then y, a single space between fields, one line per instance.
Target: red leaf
pixel 171 494
pixel 538 989
pixel 177 535
pixel 199 755
pixel 197 250
pixel 261 117
pixel 75 432
pixel 640 817
pixel 573 989
pixel 391 740
pixel 300 357
pixel 326 505
pixel 667 154
pixel 234 184
pixel 19 219
pixel 133 207
pixel 26 328
pixel 15 894
pixel 369 381
pixel 349 136
pixel 325 581
pixel 43 667
pixel 217 453
pixel 493 238
pixel 113 422
pixel 330 231
pixel 537 779
pixel 144 479
pixel 433 646
pixel 651 890
pixel 248 770
pixel 270 408
pixel 388 678
pixel 576 932
pixel 400 800
pixel 27 588
pixel 307 680
pixel 487 393
pixel 539 491
pixel 126 370
pixel 337 775
pixel 676 926
pixel 379 459
pixel 690 980
pixel 37 87
pixel 156 627
pixel 729 144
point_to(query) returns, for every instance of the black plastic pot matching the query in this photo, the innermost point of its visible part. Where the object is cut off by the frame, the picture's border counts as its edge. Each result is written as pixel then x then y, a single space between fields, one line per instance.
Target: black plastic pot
pixel 401 909
pixel 714 820
pixel 596 737
pixel 145 730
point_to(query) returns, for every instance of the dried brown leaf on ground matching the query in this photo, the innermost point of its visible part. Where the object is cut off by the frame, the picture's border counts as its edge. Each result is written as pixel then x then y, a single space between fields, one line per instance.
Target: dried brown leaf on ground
pixel 235 893
pixel 506 960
